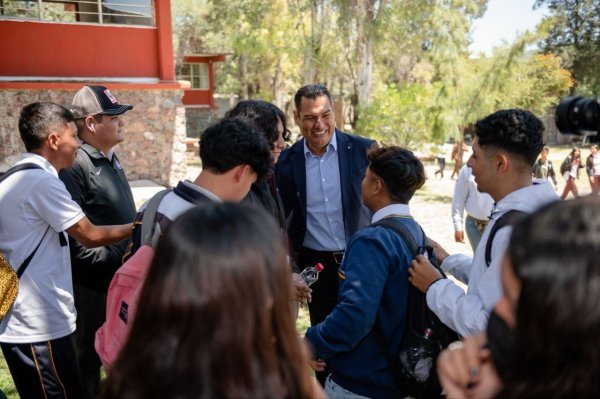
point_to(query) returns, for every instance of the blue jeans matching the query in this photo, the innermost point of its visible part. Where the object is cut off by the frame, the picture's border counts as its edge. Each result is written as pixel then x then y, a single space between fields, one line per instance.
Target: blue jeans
pixel 473 233
pixel 334 391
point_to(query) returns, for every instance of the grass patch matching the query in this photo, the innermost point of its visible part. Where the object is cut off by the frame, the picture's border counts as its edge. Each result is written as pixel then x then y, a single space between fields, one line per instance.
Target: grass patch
pixel 6 382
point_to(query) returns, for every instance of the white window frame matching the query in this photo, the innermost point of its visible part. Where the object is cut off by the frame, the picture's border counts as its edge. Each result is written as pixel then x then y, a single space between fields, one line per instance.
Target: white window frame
pixel 197 76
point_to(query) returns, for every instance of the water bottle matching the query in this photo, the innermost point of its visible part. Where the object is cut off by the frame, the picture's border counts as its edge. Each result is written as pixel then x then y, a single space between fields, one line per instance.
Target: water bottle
pixel 311 273
pixel 417 359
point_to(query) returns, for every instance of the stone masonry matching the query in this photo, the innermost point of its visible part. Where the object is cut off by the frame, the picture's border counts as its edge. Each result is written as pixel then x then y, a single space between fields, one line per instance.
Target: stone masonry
pixel 155 131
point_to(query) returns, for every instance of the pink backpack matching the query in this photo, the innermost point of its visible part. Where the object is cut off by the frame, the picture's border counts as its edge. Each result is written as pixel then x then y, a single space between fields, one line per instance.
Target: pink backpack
pixel 125 288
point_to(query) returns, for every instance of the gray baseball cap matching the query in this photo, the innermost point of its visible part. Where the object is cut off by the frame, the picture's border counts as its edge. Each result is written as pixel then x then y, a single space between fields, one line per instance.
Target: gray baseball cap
pixel 94 100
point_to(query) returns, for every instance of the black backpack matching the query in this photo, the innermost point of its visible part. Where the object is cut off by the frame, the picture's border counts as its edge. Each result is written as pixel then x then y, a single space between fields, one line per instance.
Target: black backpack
pixel 425 335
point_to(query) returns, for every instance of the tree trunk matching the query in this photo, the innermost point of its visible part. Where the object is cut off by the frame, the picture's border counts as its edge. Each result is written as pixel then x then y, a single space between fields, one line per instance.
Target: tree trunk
pixel 243 74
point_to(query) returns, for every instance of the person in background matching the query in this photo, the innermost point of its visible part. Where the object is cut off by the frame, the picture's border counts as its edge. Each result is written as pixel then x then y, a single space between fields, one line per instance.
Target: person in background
pixel 506 145
pixel 98 184
pixel 477 204
pixel 543 170
pixel 539 345
pixel 269 120
pixel 441 161
pixel 214 319
pixel 35 212
pixel 570 171
pixel 457 157
pixel 592 167
pixel 319 181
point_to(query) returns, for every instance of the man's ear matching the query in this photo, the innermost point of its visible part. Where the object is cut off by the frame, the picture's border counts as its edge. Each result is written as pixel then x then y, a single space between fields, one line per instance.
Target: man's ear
pixel 240 171
pixel 52 141
pixel 89 123
pixel 502 162
pixel 296 118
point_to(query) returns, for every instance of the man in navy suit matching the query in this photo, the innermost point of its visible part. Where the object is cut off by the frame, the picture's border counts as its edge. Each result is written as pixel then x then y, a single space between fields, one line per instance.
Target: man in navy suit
pixel 319 181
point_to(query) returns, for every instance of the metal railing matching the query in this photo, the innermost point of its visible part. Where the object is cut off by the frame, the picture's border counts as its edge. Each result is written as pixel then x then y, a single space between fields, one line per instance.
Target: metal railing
pixel 123 12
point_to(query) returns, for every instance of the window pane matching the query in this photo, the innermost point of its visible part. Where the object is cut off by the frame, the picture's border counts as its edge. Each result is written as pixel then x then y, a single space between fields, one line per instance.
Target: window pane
pixel 20 9
pixel 203 82
pixel 195 83
pixel 129 12
pixel 63 12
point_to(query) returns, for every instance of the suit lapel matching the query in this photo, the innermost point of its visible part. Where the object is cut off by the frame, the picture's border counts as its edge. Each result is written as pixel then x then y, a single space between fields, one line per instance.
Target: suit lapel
pixel 299 172
pixel 344 148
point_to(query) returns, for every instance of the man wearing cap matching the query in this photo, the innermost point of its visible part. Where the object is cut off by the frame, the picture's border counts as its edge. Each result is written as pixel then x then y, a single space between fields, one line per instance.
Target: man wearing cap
pixel 98 184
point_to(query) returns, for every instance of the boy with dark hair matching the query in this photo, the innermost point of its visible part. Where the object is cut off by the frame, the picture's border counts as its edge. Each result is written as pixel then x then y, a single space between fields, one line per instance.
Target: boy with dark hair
pixel 506 145
pixel 233 157
pixel 36 211
pixel 373 284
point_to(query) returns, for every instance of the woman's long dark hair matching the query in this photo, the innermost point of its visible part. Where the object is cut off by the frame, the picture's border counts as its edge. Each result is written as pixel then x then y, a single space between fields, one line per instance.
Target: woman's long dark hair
pixel 214 317
pixel 555 254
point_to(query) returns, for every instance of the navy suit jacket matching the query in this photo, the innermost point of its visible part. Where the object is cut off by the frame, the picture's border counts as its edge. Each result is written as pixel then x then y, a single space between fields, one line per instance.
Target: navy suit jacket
pixel 291 183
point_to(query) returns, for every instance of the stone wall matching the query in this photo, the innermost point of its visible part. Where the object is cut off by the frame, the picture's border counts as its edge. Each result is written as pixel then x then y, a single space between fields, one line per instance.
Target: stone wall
pixel 154 146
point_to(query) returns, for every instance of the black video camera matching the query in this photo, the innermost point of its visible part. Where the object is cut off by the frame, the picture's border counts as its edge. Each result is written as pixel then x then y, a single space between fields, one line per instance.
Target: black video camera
pixel 579 115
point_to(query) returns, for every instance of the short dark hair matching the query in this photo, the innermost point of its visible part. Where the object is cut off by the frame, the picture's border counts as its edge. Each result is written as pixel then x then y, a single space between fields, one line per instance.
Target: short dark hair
pixel 515 131
pixel 311 91
pixel 400 170
pixel 230 143
pixel 39 119
pixel 259 114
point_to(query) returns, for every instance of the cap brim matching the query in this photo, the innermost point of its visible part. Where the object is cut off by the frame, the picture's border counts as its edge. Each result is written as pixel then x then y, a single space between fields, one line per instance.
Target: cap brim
pixel 118 110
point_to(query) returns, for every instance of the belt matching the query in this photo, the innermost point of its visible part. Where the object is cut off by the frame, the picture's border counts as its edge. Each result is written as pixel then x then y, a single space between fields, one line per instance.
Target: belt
pixel 336 256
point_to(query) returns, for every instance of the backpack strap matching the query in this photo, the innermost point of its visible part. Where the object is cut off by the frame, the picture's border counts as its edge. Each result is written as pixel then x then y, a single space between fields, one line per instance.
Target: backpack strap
pixel 24 166
pixel 405 234
pixel 17 168
pixel 508 219
pixel 149 232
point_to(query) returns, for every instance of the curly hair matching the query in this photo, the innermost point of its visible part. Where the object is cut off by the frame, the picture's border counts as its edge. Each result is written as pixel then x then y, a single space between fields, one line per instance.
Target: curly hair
pixel 259 114
pixel 230 143
pixel 214 318
pixel 554 254
pixel 515 131
pixel 400 170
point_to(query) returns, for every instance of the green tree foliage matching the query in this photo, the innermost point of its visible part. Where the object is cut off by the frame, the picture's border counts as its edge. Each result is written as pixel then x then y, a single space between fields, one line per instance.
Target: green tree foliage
pixel 401 67
pixel 573 32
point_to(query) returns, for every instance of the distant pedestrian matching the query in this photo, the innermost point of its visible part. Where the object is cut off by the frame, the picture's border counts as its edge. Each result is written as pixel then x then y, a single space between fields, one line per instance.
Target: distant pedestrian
pixel 592 167
pixel 441 162
pixel 457 157
pixel 570 171
pixel 477 204
pixel 543 170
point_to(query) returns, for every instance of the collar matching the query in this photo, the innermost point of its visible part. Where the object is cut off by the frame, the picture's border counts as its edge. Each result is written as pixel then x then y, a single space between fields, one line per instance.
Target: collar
pixel 401 210
pixel 194 193
pixel 96 153
pixel 38 160
pixel 332 145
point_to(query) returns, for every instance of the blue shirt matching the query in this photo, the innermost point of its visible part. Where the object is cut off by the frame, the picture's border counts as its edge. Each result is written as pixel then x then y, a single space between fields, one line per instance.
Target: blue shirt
pixel 324 213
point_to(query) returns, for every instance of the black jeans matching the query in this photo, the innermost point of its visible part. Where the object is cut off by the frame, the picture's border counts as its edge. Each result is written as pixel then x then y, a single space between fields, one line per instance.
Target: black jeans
pixel 91 314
